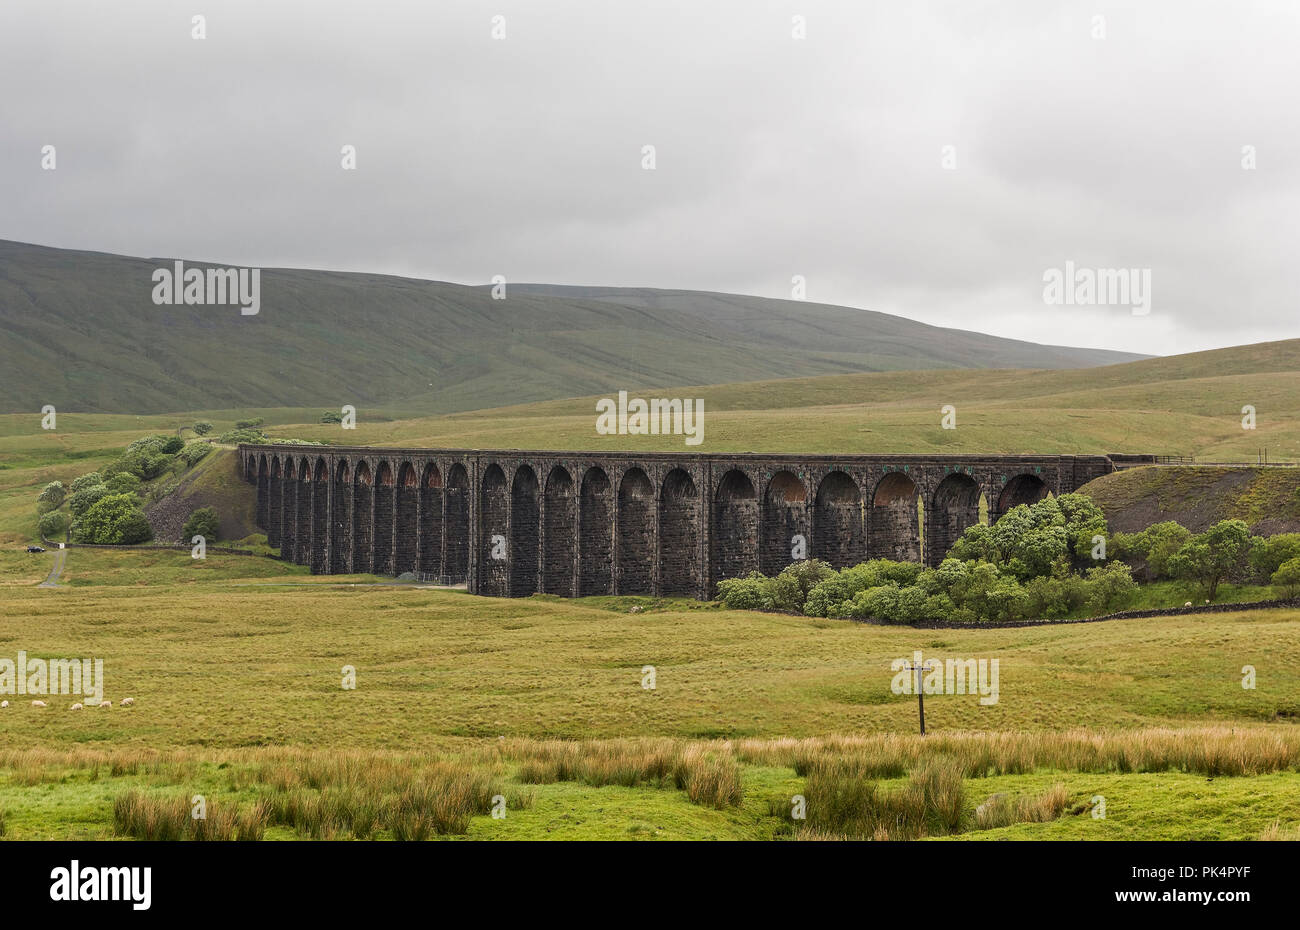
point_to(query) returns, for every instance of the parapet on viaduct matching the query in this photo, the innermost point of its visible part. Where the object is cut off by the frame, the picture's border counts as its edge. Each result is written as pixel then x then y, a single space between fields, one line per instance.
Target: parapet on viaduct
pixel 515 523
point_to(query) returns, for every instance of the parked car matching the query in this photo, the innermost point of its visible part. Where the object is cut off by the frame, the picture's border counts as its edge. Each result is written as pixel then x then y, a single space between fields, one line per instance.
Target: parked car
pixel 35 549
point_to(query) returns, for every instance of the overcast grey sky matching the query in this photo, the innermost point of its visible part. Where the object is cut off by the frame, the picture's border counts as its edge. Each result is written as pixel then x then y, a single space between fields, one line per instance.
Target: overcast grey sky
pixel 775 156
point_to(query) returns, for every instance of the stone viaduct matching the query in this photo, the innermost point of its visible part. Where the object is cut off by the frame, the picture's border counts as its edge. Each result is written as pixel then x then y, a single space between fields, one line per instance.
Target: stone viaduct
pixel 513 523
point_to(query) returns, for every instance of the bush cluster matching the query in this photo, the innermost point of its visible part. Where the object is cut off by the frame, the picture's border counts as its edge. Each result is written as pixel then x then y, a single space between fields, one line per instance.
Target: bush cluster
pixel 114 519
pixel 202 522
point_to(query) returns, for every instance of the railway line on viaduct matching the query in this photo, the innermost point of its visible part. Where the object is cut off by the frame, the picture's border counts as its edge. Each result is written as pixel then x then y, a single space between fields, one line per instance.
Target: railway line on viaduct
pixel 514 523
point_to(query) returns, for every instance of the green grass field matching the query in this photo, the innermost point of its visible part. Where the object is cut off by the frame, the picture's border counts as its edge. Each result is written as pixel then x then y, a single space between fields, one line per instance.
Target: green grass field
pixel 226 675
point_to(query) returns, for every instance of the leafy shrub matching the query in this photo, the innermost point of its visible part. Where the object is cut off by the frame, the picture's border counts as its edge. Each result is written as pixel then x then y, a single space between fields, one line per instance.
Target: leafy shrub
pixel 53 525
pixel 84 499
pixel 202 428
pixel 1108 585
pixel 242 435
pixel 173 445
pixel 202 522
pixel 1207 558
pixel 331 416
pixel 249 424
pixel 53 494
pixel 123 483
pixel 145 463
pixel 151 443
pixel 1032 540
pixel 1154 545
pixel 1268 554
pixel 194 453
pixel 86 481
pixel 1286 577
pixel 748 593
pixel 114 519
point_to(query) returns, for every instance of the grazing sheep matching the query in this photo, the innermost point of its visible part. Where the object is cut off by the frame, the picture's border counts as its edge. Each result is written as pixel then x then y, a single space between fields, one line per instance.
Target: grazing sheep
pixel 127 702
pixel 105 704
pixel 76 706
pixel 39 704
pixel 1188 604
pixel 4 703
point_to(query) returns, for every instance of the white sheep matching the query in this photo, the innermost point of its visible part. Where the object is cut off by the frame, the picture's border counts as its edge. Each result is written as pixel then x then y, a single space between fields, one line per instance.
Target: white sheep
pixel 127 702
pixel 1188 604
pixel 39 704
pixel 105 704
pixel 76 706
pixel 4 703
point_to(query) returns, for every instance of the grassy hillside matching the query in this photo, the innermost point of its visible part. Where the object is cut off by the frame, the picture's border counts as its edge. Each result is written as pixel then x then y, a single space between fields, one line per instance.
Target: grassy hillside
pixel 214 482
pixel 80 331
pixel 1184 405
pixel 1268 500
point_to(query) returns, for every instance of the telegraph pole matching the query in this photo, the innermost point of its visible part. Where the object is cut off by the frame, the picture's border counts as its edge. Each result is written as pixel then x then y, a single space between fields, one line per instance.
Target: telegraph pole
pixel 920 692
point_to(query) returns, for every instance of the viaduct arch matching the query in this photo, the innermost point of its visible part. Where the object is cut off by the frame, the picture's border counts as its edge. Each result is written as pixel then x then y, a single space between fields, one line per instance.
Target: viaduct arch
pixel 514 523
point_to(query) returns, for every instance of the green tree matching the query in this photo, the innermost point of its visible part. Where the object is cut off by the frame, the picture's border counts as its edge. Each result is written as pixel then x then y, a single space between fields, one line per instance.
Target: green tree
pixel 114 519
pixel 202 428
pixel 192 454
pixel 1287 576
pixel 202 522
pixel 86 481
pixel 86 498
pixel 53 525
pixel 1207 558
pixel 123 483
pixel 53 494
pixel 145 463
pixel 1268 553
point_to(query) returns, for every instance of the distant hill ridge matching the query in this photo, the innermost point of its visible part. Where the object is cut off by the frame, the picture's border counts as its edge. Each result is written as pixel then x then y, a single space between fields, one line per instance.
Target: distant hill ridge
pixel 81 332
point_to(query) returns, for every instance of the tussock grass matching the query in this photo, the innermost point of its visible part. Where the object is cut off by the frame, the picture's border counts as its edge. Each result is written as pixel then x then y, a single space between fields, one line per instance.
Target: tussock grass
pixel 843 803
pixel 1276 832
pixel 151 817
pixel 1001 810
pixel 709 773
pixel 328 798
pixel 1214 751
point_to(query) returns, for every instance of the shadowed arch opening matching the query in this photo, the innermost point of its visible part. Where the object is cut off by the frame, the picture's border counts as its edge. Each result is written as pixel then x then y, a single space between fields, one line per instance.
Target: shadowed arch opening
pixel 735 527
pixel 406 512
pixel 679 534
pixel 274 504
pixel 956 506
pixel 494 519
pixel 363 517
pixel 341 521
pixel 839 533
pixel 525 532
pixel 384 499
pixel 303 511
pixel 785 522
pixel 595 534
pixel 457 524
pixel 560 556
pixel 263 491
pixel 893 525
pixel 320 500
pixel 430 521
pixel 636 532
pixel 1022 489
pixel 289 510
